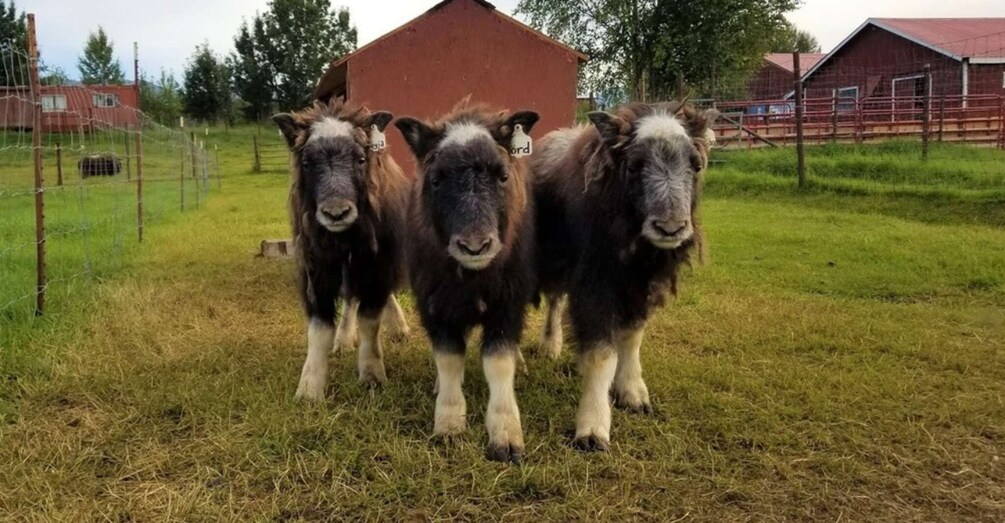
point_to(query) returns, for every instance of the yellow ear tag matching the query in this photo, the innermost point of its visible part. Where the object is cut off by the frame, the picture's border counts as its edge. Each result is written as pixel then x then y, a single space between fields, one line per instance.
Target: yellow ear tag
pixel 521 145
pixel 377 139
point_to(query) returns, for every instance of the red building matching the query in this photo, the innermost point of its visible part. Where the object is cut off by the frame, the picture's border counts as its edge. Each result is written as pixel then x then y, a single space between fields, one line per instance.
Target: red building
pixel 459 48
pixel 886 58
pixel 774 80
pixel 70 108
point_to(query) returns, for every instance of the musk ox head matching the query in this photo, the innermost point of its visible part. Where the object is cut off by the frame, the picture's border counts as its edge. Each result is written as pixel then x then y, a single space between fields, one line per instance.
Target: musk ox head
pixel 471 188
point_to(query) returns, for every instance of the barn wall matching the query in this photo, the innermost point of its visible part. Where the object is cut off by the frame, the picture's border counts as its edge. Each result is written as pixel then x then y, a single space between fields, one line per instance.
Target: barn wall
pixel 463 49
pixel 16 110
pixel 770 83
pixel 874 58
pixel 987 79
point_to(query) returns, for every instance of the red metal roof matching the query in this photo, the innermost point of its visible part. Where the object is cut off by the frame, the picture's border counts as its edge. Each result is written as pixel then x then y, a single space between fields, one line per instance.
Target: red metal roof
pixel 974 38
pixel 784 60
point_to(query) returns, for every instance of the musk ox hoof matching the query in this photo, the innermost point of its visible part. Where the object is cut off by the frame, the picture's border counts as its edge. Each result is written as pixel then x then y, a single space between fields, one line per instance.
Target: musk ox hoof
pixel 505 453
pixel 591 443
pixel 345 342
pixel 399 336
pixel 311 391
pixel 631 403
pixel 372 378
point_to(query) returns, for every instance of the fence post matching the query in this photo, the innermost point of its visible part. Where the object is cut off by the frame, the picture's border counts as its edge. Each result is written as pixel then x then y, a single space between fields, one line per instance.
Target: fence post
pixel 926 115
pixel 129 170
pixel 834 118
pixel 800 153
pixel 194 174
pixel 139 145
pixel 59 163
pixel 258 159
pixel 181 166
pixel 942 115
pixel 36 144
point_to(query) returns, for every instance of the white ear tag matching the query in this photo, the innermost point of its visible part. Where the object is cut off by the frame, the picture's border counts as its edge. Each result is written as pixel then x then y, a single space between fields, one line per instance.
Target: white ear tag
pixel 377 139
pixel 521 145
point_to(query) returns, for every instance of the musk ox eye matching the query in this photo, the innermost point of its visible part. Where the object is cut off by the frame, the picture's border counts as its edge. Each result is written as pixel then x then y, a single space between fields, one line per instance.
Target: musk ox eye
pixel 434 180
pixel 361 160
pixel 503 176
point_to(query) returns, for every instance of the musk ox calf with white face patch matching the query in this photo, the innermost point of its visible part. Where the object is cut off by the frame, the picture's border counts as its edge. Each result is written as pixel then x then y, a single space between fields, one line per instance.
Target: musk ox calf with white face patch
pixel 617 204
pixel 471 259
pixel 347 202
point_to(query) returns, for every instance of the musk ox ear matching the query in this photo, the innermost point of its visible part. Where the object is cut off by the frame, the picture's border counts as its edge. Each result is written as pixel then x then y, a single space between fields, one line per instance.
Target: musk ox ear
pixel 380 119
pixel 526 121
pixel 421 138
pixel 612 129
pixel 289 126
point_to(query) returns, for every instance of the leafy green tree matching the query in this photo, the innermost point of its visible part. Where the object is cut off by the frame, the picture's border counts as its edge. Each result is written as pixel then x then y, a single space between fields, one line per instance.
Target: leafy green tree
pixel 14 32
pixel 639 47
pixel 161 100
pixel 253 75
pixel 53 76
pixel 299 38
pixel 98 65
pixel 207 95
pixel 790 39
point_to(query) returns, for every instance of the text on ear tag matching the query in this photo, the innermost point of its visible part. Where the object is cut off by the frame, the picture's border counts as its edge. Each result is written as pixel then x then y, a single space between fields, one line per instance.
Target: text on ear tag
pixel 377 139
pixel 521 145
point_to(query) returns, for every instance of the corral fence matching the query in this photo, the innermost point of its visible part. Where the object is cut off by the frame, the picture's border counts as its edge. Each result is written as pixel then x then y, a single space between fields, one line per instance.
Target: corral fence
pixel 268 156
pixel 83 173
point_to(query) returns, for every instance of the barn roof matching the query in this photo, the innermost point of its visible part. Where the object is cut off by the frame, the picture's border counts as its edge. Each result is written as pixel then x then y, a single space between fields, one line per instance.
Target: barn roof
pixel 336 73
pixel 977 40
pixel 784 60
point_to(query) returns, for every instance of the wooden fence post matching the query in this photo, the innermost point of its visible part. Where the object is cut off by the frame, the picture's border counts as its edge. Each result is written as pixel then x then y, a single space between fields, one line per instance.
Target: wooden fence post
pixel 942 115
pixel 800 153
pixel 139 146
pixel 258 158
pixel 834 118
pixel 181 165
pixel 129 169
pixel 36 144
pixel 926 115
pixel 59 163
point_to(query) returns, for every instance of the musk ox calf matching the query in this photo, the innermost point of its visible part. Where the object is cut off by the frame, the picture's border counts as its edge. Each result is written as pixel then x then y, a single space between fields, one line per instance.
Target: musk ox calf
pixel 471 258
pixel 617 216
pixel 99 165
pixel 347 202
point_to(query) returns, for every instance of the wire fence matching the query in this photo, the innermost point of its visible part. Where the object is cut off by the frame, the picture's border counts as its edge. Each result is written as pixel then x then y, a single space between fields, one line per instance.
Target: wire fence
pixel 83 172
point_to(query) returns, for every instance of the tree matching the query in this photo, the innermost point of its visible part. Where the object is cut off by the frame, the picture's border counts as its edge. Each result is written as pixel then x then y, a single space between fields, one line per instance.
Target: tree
pixel 97 65
pixel 14 29
pixel 53 76
pixel 207 97
pixel 299 38
pixel 252 73
pixel 161 100
pixel 790 39
pixel 639 47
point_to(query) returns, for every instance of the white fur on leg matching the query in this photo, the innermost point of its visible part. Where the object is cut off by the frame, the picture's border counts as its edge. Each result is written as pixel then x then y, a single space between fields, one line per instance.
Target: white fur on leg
pixel 451 409
pixel 345 336
pixel 630 391
pixel 502 418
pixel 551 335
pixel 394 320
pixel 314 376
pixel 370 359
pixel 593 420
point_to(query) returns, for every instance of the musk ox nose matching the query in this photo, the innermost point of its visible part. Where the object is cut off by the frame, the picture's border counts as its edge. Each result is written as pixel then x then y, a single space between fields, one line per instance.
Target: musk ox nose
pixel 475 246
pixel 338 215
pixel 669 228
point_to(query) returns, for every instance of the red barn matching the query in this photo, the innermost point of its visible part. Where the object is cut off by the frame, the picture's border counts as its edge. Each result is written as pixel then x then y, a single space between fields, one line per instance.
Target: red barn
pixel 455 49
pixel 886 57
pixel 774 81
pixel 70 108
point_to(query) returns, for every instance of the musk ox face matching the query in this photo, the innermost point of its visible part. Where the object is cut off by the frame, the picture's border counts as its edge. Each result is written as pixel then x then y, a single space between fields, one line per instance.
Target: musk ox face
pixel 466 188
pixel 332 161
pixel 659 160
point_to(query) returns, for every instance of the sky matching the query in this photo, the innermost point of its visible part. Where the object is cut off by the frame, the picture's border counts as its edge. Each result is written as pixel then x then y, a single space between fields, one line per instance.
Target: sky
pixel 168 30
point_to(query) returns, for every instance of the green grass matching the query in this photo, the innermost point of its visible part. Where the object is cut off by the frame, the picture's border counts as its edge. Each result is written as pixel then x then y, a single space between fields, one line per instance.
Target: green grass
pixel 840 357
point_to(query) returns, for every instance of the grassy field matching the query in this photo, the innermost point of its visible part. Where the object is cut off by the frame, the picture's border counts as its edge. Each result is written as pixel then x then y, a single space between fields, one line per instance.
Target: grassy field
pixel 840 357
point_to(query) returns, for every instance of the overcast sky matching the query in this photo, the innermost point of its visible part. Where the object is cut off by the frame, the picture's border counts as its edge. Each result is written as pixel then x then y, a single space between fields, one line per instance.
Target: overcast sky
pixel 168 31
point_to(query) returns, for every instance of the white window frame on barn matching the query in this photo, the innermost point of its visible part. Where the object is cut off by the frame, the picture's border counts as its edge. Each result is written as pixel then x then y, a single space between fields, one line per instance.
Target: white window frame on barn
pixel 893 92
pixel 105 100
pixel 842 93
pixel 53 103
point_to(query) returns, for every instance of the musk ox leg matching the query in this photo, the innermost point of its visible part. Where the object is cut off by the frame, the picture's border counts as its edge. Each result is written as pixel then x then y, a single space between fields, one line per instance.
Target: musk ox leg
pixel 502 417
pixel 394 319
pixel 629 390
pixel 551 334
pixel 346 334
pixel 314 377
pixel 593 420
pixel 451 409
pixel 370 359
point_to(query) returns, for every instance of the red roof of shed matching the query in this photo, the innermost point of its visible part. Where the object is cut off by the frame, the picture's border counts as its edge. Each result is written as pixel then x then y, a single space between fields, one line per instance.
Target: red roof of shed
pixel 784 60
pixel 959 37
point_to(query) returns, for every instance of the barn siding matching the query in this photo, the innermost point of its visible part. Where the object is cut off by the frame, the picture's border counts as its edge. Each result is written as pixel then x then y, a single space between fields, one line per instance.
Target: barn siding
pixel 458 50
pixel 15 108
pixel 770 83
